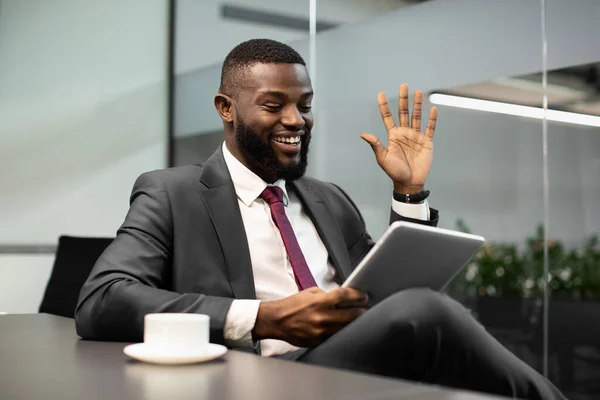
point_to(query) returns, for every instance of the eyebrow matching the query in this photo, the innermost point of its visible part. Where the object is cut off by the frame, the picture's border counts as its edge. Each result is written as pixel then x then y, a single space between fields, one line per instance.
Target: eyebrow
pixel 276 93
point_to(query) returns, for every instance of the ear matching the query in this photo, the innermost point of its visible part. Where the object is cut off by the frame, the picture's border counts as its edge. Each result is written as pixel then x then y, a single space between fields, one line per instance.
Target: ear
pixel 224 106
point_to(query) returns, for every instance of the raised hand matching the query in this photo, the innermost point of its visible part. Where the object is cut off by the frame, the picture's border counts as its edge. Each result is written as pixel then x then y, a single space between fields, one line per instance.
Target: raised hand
pixel 408 156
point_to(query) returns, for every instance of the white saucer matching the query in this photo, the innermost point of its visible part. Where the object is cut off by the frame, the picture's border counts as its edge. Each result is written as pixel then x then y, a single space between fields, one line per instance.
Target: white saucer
pixel 157 355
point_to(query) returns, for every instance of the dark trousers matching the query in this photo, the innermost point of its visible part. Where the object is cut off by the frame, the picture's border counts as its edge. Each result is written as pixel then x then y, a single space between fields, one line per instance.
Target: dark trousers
pixel 424 336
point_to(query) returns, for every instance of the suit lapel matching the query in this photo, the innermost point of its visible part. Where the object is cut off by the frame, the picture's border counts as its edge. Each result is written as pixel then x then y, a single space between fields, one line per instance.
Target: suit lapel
pixel 221 202
pixel 329 231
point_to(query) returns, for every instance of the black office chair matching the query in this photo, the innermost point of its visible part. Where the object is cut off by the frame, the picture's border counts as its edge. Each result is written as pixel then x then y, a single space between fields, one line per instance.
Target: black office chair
pixel 75 257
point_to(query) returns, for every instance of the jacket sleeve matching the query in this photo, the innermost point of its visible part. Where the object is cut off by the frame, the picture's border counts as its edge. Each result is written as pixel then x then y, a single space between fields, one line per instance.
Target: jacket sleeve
pixel 131 278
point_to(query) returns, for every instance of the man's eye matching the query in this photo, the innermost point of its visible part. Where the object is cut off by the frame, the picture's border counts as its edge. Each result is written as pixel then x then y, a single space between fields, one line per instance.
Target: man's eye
pixel 305 108
pixel 273 107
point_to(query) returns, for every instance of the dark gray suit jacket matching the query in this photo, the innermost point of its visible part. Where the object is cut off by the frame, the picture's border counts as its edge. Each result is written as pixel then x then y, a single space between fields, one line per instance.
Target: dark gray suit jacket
pixel 183 248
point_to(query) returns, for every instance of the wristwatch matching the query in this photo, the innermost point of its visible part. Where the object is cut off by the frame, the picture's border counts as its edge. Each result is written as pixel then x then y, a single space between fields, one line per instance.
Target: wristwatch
pixel 413 198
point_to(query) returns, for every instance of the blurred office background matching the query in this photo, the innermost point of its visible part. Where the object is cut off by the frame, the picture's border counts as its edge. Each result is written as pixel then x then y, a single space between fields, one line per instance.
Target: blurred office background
pixel 92 93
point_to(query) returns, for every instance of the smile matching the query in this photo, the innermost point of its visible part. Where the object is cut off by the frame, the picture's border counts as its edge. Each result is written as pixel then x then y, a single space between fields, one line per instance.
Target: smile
pixel 292 140
pixel 289 145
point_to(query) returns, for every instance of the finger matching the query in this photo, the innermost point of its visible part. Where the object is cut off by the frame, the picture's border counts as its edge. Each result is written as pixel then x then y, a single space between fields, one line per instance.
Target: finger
pixel 314 289
pixel 384 109
pixel 353 295
pixel 416 114
pixel 376 145
pixel 432 121
pixel 346 295
pixel 344 316
pixel 403 105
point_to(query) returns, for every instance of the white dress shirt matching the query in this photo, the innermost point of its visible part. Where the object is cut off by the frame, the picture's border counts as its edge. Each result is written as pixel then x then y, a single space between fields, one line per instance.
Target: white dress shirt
pixel 273 273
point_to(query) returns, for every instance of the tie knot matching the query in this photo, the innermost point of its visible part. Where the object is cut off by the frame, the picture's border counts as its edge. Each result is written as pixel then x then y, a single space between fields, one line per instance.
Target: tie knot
pixel 272 194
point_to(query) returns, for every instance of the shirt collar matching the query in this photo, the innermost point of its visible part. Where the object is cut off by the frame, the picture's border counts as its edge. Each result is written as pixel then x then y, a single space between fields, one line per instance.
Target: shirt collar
pixel 248 186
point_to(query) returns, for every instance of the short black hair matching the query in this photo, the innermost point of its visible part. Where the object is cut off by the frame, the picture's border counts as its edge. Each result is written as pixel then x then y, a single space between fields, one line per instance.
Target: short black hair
pixel 254 51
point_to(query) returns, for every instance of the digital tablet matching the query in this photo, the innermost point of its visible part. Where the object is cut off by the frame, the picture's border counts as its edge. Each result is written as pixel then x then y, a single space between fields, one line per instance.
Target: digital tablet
pixel 410 255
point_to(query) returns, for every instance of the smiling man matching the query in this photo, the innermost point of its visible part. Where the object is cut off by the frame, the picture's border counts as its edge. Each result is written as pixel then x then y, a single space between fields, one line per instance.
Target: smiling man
pixel 250 241
pixel 271 149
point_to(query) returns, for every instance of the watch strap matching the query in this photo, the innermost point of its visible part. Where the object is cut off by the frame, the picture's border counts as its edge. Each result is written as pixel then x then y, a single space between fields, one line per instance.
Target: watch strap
pixel 411 198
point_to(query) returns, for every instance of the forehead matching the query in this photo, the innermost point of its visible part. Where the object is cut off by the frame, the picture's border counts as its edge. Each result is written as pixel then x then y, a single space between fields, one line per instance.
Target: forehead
pixel 291 79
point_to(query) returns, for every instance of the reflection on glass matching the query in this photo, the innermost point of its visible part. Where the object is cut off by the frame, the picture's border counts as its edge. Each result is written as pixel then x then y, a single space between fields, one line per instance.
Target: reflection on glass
pixel 573 246
pixel 506 277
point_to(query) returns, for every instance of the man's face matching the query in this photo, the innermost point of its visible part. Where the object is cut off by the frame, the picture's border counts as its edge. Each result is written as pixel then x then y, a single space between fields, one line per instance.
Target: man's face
pixel 273 120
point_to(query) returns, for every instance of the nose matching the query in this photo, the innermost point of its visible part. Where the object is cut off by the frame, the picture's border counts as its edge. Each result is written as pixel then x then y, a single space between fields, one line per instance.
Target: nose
pixel 292 119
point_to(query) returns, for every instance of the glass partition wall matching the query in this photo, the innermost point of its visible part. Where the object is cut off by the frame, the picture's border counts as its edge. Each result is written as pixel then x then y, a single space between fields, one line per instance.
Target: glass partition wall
pixel 525 178
pixel 487 175
pixel 572 224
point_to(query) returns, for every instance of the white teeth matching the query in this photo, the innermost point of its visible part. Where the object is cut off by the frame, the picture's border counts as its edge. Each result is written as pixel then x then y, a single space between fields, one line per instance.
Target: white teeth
pixel 292 140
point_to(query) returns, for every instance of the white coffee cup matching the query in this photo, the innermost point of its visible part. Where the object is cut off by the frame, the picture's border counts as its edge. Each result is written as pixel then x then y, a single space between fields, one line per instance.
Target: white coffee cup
pixel 176 332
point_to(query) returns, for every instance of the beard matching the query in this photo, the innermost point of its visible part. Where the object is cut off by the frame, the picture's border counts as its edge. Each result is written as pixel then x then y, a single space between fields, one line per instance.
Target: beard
pixel 261 150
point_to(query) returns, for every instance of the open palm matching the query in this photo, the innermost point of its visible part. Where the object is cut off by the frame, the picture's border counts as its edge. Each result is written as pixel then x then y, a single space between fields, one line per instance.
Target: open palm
pixel 408 156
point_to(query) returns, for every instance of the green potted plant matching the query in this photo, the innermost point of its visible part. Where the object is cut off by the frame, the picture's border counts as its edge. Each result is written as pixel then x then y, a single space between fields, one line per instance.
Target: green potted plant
pixel 505 284
pixel 507 269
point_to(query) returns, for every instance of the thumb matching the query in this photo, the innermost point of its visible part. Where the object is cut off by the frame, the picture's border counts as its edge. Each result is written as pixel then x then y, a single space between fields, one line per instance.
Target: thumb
pixel 375 143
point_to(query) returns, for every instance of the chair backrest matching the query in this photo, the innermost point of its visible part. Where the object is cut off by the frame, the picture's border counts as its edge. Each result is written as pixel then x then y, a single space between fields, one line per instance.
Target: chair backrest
pixel 75 257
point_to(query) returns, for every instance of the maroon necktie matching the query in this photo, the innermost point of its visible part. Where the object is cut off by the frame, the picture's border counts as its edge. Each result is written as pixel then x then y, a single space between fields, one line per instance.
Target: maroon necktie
pixel 274 196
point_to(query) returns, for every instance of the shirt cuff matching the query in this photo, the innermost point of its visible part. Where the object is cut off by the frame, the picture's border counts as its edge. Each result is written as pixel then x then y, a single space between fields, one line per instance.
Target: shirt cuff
pixel 414 211
pixel 239 323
